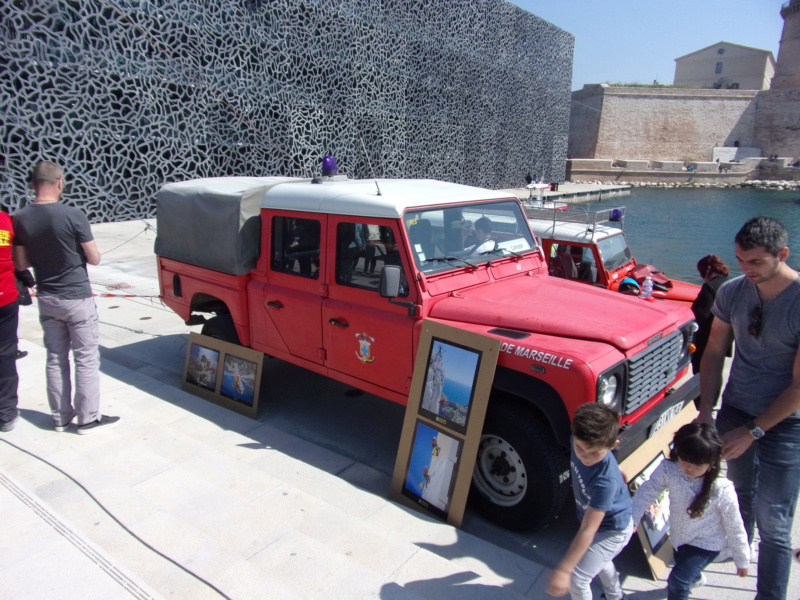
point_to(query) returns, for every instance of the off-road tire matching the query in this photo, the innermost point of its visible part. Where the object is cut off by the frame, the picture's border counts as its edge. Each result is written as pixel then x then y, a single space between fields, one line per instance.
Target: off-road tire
pixel 222 328
pixel 531 473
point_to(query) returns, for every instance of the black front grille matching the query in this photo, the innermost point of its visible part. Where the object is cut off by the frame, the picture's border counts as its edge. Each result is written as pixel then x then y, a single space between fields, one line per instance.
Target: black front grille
pixel 652 370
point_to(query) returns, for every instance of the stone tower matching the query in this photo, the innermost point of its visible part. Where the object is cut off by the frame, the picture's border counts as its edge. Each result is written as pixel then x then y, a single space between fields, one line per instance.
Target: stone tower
pixel 777 128
pixel 787 69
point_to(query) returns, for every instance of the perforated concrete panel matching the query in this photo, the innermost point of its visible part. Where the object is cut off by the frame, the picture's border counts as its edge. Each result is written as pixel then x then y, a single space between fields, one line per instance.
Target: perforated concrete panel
pixel 128 95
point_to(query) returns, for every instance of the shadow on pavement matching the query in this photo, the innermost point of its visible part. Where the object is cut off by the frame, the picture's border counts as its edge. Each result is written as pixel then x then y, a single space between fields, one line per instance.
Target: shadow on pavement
pixel 301 412
pixel 313 408
pixel 452 586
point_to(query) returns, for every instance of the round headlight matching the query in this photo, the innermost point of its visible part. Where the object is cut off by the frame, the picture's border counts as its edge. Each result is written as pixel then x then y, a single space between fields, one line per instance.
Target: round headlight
pixel 607 388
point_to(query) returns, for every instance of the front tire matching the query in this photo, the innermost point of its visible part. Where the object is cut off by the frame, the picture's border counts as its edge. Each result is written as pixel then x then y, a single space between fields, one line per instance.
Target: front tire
pixel 521 476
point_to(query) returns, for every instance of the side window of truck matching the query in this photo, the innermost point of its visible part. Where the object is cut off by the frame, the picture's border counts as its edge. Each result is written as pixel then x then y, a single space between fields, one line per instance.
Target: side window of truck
pixel 295 246
pixel 362 250
pixel 573 262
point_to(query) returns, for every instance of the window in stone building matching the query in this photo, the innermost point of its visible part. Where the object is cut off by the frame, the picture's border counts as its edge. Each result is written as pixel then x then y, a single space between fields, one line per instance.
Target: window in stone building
pixel 718 70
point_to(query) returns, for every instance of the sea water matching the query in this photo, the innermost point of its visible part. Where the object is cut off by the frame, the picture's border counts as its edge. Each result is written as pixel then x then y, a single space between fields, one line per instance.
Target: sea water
pixel 673 228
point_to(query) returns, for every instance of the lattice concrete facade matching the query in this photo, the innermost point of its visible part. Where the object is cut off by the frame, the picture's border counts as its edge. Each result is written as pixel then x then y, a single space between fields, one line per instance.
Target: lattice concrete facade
pixel 130 94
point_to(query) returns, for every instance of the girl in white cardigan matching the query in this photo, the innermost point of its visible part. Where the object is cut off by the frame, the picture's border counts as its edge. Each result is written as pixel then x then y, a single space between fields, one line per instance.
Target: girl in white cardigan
pixel 704 512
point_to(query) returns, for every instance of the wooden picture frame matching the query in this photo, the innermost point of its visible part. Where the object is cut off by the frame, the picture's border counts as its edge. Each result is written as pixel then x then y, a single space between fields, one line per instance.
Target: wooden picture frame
pixel 653 533
pixel 454 426
pixel 653 529
pixel 223 373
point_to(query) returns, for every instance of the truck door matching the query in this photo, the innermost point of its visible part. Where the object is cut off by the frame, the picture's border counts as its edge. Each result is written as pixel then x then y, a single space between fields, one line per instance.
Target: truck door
pixel 364 335
pixel 292 301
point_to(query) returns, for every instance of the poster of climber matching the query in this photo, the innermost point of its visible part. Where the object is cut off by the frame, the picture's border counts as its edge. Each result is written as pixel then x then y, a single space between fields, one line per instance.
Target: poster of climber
pixel 453 376
pixel 223 373
pixel 431 469
pixel 653 531
pixel 449 384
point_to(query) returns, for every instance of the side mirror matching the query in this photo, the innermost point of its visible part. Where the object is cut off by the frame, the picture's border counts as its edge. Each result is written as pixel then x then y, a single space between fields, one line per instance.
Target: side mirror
pixel 391 276
pixel 390 281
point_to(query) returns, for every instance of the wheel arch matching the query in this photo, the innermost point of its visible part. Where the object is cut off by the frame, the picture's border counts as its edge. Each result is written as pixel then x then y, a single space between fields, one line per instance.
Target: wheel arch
pixel 538 396
pixel 208 303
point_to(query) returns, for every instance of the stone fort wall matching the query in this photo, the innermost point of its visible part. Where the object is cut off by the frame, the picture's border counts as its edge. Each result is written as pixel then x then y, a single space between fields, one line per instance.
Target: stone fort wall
pixel 778 122
pixel 667 124
pixel 130 94
pixel 671 124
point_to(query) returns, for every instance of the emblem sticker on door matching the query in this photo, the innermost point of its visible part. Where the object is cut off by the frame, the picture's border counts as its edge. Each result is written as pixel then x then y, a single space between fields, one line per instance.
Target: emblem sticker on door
pixel 364 352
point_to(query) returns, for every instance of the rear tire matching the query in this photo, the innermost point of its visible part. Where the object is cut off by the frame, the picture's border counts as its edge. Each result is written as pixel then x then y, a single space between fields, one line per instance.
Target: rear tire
pixel 222 328
pixel 521 476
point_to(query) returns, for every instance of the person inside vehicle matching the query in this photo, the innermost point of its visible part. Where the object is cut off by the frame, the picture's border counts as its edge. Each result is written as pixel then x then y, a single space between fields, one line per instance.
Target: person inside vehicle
pixel 576 252
pixel 629 286
pixel 562 264
pixel 484 241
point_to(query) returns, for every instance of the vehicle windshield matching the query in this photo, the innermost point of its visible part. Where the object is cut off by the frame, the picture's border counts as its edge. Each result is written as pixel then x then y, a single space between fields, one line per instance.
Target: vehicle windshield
pixel 615 251
pixel 446 238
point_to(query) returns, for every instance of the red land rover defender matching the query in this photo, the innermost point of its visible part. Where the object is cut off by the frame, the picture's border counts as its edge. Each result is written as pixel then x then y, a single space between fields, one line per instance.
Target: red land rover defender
pixel 590 246
pixel 303 269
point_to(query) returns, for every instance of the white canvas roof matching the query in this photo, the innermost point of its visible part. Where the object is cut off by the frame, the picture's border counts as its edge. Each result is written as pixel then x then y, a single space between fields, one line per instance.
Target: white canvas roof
pixel 215 222
pixel 379 198
pixel 579 233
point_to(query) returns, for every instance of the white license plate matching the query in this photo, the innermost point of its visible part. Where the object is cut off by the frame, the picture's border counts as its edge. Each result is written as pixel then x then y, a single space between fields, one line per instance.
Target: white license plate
pixel 665 418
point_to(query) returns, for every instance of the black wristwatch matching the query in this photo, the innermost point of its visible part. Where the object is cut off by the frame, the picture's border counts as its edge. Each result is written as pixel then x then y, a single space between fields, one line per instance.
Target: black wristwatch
pixel 755 430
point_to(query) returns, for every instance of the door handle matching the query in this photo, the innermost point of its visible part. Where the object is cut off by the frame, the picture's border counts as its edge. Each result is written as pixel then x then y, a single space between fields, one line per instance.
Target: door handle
pixel 275 304
pixel 338 323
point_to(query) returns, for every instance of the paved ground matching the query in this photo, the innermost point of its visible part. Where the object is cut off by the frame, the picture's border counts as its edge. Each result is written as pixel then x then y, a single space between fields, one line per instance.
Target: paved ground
pixel 185 499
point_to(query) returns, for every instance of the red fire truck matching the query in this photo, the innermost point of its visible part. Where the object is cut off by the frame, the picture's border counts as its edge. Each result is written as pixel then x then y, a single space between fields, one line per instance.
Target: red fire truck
pixel 336 275
pixel 590 246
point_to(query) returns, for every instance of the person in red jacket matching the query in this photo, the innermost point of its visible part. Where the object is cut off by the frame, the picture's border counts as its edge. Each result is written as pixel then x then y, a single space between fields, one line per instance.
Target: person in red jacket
pixel 9 319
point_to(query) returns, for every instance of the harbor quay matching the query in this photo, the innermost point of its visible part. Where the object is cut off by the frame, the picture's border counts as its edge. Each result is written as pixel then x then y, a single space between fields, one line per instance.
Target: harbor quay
pixel 571 192
pixel 185 499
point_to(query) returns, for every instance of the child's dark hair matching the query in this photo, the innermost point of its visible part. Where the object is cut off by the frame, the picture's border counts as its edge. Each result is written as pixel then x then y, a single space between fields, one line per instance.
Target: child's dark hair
pixel 596 425
pixel 699 444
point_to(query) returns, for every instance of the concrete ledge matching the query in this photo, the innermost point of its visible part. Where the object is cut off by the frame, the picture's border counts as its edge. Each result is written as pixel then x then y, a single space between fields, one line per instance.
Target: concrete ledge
pixel 657 176
pixel 591 163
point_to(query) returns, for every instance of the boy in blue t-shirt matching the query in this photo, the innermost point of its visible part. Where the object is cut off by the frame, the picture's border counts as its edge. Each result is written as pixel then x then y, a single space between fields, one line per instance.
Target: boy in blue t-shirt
pixel 603 505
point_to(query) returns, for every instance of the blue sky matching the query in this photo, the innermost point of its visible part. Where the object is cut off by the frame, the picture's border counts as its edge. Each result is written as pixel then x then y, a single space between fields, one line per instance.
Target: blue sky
pixel 459 366
pixel 627 41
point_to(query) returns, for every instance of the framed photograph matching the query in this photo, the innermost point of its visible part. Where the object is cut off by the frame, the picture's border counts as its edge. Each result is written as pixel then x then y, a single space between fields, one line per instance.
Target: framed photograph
pixel 453 374
pixel 431 471
pixel 653 531
pixel 202 366
pixel 224 373
pixel 654 527
pixel 239 379
pixel 452 370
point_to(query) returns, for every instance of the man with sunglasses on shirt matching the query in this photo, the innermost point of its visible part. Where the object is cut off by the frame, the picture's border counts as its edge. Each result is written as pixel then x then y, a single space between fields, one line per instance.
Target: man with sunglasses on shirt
pixel 759 418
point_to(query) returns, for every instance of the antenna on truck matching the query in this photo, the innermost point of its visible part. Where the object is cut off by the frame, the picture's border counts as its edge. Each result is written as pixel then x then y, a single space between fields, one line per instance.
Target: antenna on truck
pixel 366 155
pixel 369 162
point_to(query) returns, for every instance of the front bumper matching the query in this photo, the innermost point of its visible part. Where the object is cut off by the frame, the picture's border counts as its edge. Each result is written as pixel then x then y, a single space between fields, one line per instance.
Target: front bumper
pixel 634 436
